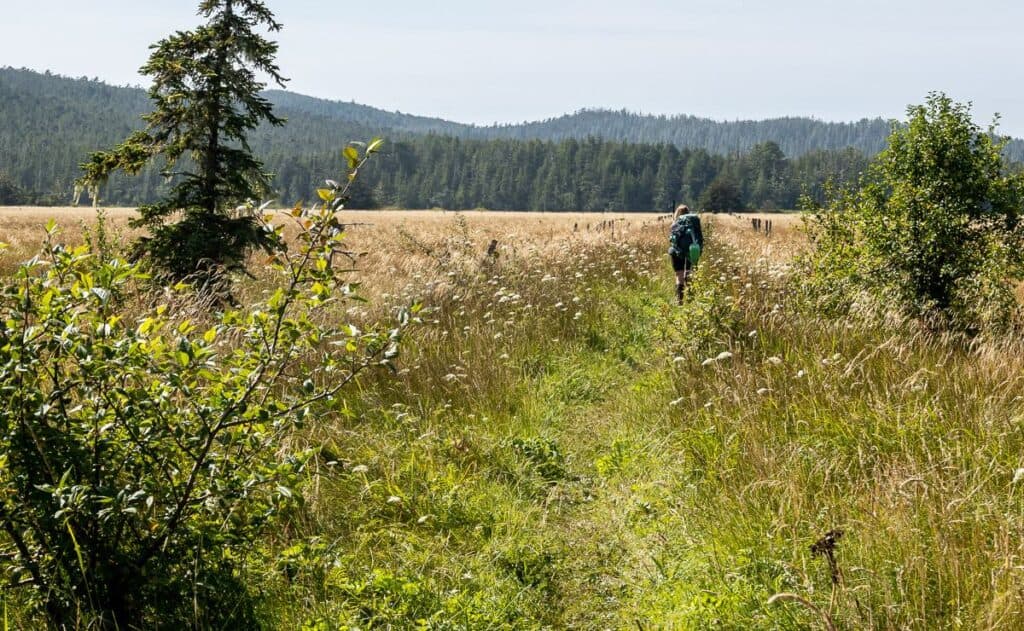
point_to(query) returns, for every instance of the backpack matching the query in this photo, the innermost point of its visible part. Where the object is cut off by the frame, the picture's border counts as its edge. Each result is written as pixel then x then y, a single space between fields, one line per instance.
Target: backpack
pixel 682 236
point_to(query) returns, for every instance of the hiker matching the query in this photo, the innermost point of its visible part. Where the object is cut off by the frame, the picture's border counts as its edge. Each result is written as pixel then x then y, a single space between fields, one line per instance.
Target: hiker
pixel 685 244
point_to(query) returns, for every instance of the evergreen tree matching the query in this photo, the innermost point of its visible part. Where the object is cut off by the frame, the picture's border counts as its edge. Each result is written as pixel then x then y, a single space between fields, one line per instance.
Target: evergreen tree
pixel 10 194
pixel 207 98
pixel 722 194
pixel 668 179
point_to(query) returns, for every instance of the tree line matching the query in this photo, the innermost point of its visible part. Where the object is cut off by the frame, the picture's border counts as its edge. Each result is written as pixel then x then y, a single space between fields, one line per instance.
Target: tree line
pixel 591 160
pixel 589 175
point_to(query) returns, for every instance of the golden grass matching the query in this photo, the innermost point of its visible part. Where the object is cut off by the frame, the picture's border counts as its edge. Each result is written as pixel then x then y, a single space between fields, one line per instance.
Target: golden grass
pixel 22 226
pixel 392 248
pixel 399 252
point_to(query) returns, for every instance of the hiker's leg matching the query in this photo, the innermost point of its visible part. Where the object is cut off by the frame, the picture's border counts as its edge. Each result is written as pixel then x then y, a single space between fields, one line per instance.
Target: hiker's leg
pixel 680 284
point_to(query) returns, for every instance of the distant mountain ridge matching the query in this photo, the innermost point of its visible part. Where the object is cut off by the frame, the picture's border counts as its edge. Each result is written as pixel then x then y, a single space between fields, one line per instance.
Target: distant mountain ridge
pixel 794 135
pixel 49 124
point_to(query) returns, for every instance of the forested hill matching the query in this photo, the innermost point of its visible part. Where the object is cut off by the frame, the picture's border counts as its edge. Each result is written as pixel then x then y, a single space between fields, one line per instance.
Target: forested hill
pixel 591 160
pixel 50 124
pixel 795 136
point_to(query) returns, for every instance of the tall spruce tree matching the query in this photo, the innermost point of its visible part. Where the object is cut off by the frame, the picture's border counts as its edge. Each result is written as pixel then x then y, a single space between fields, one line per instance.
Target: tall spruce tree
pixel 207 98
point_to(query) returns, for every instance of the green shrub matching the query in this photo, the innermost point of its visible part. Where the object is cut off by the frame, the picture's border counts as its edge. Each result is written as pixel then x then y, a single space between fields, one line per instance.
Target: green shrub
pixel 544 456
pixel 933 229
pixel 143 451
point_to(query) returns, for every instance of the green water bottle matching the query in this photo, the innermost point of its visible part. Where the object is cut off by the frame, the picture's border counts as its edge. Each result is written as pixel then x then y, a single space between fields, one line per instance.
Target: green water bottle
pixel 694 253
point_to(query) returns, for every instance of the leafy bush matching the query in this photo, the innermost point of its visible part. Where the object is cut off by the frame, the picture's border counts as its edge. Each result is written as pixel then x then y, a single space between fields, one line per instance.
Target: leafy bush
pixel 934 227
pixel 543 455
pixel 143 451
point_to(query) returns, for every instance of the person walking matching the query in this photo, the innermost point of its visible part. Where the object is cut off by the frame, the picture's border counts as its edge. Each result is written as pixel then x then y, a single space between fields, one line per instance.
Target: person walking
pixel 686 241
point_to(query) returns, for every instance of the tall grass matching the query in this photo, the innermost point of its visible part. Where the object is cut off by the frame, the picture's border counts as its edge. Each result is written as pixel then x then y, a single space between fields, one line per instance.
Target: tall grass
pixel 615 462
pixel 561 447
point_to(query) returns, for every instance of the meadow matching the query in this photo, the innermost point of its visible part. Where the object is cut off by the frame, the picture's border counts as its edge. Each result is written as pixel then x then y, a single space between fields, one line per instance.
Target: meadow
pixel 561 446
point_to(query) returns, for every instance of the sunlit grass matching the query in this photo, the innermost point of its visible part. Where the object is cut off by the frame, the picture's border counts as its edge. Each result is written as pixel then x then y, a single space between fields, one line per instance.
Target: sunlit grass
pixel 562 447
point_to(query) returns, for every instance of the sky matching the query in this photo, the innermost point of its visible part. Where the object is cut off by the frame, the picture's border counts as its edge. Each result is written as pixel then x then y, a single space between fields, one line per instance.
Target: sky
pixel 478 61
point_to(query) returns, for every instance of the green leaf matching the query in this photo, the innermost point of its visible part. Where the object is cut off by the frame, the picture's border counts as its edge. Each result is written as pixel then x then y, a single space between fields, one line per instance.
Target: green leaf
pixel 352 155
pixel 374 145
pixel 147 326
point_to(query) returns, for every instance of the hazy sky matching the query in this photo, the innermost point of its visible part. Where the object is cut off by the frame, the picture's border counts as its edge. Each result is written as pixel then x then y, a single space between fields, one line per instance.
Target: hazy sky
pixel 480 61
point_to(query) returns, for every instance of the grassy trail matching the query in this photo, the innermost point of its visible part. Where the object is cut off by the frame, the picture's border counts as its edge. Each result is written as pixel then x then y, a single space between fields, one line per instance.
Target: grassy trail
pixel 567 449
pixel 564 467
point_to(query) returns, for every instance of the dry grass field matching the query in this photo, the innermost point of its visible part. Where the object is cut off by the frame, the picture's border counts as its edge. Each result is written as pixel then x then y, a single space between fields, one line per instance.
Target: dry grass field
pixel 399 252
pixel 391 247
pixel 21 227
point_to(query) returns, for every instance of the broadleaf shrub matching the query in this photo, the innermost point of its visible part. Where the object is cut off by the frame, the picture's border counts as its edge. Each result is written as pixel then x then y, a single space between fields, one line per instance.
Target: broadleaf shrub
pixel 933 230
pixel 144 451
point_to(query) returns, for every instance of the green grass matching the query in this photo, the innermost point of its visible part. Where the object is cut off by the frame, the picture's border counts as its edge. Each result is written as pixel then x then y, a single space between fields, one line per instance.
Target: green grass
pixel 600 476
pixel 564 448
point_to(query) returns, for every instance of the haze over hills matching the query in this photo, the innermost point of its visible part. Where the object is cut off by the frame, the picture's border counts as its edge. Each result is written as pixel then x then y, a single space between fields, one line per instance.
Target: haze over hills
pixel 50 123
